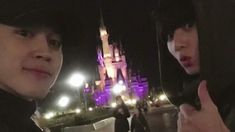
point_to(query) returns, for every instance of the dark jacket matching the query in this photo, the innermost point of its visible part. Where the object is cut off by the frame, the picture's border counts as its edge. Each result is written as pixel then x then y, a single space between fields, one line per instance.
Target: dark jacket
pixel 227 108
pixel 121 122
pixel 15 114
pixel 139 124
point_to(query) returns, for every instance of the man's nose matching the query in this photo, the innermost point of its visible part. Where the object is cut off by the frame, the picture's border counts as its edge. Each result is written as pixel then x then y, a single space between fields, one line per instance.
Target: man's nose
pixel 41 48
pixel 180 39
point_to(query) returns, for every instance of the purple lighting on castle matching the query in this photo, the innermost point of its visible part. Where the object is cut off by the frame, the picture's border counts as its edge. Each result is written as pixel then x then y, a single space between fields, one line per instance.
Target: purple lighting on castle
pixel 101 98
pixel 114 76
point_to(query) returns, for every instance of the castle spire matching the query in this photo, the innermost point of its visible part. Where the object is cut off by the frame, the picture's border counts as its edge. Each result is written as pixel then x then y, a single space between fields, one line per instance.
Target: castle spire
pixel 104 37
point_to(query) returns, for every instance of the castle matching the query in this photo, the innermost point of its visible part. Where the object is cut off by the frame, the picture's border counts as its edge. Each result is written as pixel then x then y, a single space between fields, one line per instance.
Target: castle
pixel 114 77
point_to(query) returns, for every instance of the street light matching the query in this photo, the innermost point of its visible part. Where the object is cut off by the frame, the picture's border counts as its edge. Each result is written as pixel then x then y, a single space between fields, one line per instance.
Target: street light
pixel 49 115
pixel 119 88
pixel 78 110
pixel 90 109
pixel 162 97
pixel 113 105
pixel 63 101
pixel 76 80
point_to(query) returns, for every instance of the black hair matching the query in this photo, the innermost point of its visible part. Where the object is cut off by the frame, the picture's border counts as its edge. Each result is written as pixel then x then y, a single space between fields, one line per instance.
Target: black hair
pixel 172 14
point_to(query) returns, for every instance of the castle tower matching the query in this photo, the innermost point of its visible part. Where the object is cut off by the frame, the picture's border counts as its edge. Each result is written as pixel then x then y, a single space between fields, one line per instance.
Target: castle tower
pixel 112 68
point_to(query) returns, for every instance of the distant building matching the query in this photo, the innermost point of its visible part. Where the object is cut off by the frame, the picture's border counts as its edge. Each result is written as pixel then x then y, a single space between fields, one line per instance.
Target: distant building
pixel 114 77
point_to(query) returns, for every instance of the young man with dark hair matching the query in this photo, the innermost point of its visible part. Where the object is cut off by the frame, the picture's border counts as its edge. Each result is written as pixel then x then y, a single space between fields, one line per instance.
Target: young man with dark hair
pixel 179 42
pixel 31 36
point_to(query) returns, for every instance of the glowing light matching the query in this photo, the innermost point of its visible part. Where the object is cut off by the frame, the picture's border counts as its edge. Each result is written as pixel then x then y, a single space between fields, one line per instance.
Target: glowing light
pixel 86 85
pixel 117 58
pixel 76 80
pixel 63 101
pixel 49 115
pixel 78 110
pixel 120 82
pixel 117 89
pixel 90 109
pixel 162 97
pixel 103 32
pixel 133 101
pixel 114 105
pixel 97 83
pixel 128 102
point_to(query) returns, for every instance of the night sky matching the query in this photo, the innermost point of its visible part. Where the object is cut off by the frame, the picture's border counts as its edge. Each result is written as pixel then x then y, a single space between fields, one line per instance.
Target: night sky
pixel 129 22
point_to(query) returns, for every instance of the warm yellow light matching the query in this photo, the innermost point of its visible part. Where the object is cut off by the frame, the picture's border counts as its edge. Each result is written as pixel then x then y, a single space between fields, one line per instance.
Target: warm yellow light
pixel 78 110
pixel 90 109
pixel 103 32
pixel 49 115
pixel 133 101
pixel 114 105
pixel 162 97
pixel 97 83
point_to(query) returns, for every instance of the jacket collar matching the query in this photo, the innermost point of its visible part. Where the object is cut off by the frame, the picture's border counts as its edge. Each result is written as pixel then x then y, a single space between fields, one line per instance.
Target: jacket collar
pixel 13 106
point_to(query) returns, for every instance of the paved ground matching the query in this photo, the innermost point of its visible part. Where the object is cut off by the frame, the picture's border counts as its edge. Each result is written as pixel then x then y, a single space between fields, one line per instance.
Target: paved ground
pixel 161 119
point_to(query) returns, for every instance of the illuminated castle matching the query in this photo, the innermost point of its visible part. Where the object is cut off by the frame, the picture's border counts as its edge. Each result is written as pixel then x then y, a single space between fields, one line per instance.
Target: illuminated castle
pixel 115 78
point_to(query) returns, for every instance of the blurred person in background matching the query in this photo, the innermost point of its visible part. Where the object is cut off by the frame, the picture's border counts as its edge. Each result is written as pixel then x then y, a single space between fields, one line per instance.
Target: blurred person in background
pixel 121 113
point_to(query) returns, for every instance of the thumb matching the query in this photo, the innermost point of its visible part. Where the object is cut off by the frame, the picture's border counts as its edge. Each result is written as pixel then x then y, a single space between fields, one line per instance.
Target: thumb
pixel 187 110
pixel 204 96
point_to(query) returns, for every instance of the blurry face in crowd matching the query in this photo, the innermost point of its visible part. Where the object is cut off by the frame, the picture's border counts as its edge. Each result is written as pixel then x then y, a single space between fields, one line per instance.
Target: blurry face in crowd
pixel 30 59
pixel 183 45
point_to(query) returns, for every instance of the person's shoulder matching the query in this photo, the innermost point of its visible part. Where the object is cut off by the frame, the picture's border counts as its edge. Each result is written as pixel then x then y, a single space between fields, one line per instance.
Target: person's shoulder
pixel 3 126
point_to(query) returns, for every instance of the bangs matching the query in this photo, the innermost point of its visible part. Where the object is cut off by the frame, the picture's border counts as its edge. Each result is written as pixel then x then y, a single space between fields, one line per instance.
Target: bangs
pixel 173 14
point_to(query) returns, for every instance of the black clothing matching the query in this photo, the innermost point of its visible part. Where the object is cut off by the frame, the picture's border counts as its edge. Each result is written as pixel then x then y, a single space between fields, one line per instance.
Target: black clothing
pixel 15 114
pixel 227 108
pixel 190 88
pixel 139 124
pixel 121 122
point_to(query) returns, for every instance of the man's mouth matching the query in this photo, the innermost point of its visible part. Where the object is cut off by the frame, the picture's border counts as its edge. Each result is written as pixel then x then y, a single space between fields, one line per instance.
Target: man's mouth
pixel 39 72
pixel 186 61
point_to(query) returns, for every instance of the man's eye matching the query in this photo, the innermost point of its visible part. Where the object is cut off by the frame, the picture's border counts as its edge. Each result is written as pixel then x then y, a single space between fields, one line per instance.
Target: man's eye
pixel 24 33
pixel 55 44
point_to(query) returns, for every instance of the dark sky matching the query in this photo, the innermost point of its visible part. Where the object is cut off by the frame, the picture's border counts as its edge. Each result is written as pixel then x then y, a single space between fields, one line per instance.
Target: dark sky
pixel 129 22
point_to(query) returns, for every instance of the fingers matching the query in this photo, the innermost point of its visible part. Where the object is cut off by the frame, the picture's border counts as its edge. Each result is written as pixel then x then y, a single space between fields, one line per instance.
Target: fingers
pixel 204 96
pixel 183 124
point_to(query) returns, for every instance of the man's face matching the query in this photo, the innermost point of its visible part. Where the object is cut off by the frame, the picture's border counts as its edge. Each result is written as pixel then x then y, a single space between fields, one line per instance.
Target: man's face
pixel 30 60
pixel 183 45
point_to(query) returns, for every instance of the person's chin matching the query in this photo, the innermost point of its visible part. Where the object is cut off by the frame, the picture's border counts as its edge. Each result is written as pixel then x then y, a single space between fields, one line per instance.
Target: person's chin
pixel 191 71
pixel 38 95
pixel 36 92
